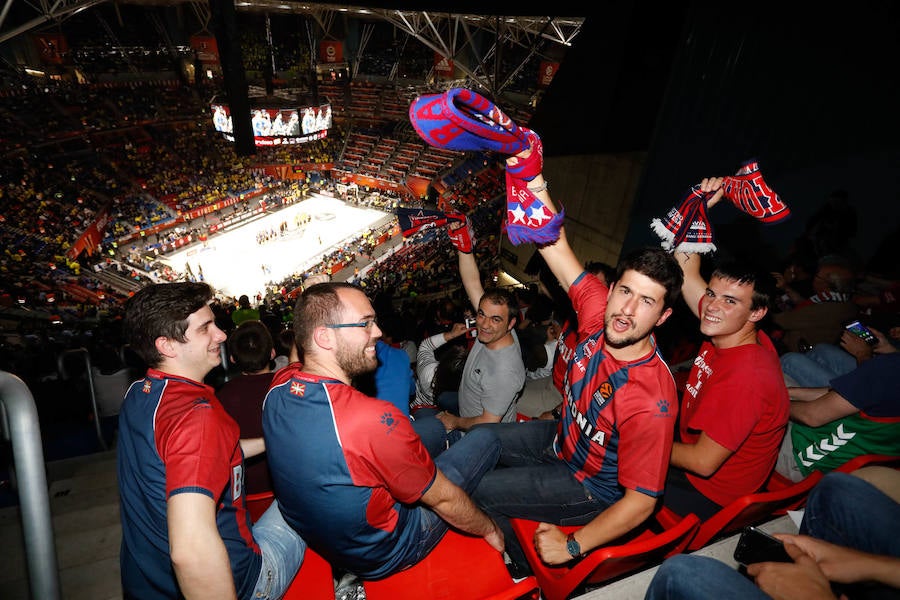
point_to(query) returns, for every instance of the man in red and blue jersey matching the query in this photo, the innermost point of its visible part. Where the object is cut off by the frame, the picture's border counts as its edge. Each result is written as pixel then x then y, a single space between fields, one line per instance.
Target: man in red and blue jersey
pixel 603 464
pixel 350 472
pixel 186 532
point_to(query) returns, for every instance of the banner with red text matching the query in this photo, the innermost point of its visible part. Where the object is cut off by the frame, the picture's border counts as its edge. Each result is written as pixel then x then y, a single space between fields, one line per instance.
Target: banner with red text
pixel 331 51
pixel 547 71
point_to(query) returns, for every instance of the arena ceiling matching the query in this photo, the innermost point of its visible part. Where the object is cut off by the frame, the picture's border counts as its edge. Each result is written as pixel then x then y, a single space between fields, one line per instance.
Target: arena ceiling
pixel 447 33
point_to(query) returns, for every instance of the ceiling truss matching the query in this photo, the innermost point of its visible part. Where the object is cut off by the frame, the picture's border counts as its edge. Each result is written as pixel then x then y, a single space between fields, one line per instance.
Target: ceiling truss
pixel 453 36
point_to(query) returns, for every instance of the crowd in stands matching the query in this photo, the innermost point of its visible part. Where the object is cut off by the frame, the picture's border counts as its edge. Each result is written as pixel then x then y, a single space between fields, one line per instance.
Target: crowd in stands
pixel 145 159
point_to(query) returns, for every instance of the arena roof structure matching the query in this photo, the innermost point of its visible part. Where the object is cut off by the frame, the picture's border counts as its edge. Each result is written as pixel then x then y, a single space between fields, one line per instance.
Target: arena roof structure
pixel 450 34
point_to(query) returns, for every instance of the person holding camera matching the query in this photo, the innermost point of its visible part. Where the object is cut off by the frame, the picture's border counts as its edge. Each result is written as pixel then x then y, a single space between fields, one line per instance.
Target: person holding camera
pixel 841 552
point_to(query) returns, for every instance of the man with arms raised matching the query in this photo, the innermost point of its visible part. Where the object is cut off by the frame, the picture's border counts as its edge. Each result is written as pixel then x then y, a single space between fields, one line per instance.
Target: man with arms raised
pixel 603 464
pixel 350 473
pixel 494 374
pixel 735 407
pixel 185 528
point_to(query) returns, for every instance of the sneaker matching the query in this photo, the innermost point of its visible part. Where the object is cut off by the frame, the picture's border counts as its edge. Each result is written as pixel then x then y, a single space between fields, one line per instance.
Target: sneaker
pixel 349 587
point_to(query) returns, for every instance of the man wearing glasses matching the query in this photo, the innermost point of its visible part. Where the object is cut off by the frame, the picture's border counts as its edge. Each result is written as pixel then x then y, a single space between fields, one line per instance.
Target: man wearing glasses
pixel 494 374
pixel 349 470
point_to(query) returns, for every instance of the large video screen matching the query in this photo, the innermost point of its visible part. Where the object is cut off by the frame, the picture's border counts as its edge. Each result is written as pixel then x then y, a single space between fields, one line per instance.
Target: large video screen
pixel 278 126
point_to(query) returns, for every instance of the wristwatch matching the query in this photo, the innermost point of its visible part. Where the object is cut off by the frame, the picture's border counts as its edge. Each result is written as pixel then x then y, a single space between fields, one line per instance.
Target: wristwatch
pixel 573 546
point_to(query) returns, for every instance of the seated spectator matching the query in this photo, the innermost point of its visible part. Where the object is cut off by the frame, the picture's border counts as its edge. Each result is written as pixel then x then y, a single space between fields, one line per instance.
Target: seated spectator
pixel 821 318
pixel 603 464
pixel 372 501
pixel 244 312
pixel 251 351
pixel 494 373
pixel 848 415
pixel 540 398
pixel 430 369
pixel 735 407
pixel 843 550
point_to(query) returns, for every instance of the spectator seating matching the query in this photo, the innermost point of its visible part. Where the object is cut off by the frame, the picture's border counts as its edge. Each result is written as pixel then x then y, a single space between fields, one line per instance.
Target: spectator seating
pixel 746 510
pixel 460 566
pixel 639 550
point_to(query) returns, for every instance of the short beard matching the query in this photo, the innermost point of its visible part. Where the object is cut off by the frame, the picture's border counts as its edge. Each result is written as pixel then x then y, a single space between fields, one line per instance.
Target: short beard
pixel 355 364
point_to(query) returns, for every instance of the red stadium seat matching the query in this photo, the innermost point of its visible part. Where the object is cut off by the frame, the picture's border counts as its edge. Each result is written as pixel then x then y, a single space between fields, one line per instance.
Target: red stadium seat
pixel 461 566
pixel 643 549
pixel 746 510
pixel 314 580
pixel 258 503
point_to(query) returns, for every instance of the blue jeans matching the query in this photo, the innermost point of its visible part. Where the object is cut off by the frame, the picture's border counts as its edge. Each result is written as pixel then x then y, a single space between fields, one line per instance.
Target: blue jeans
pixel 430 430
pixel 464 464
pixel 532 483
pixel 282 553
pixel 817 367
pixel 689 576
pixel 846 510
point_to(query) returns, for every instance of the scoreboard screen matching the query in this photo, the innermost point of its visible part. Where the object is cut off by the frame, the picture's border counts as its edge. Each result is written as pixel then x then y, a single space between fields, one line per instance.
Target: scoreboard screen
pixel 277 126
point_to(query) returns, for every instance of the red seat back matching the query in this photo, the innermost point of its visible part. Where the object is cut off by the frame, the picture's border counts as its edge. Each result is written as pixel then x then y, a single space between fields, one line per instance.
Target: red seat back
pixel 461 566
pixel 643 548
pixel 746 510
pixel 258 503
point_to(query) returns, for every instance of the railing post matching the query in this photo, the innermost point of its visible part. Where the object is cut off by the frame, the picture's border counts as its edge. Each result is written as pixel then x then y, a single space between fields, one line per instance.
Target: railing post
pixel 21 426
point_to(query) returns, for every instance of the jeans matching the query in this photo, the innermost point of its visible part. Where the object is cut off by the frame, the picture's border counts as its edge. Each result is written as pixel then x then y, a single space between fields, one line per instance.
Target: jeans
pixel 430 430
pixel 689 576
pixel 849 511
pixel 282 553
pixel 449 401
pixel 532 483
pixel 817 367
pixel 464 464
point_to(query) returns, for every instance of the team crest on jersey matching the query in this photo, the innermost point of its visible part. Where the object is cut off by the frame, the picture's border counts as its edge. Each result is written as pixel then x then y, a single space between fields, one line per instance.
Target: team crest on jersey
pixel 147 386
pixel 297 388
pixel 606 390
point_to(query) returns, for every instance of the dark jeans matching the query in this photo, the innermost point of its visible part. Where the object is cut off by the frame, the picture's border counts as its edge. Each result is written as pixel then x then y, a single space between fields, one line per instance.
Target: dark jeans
pixel 683 498
pixel 530 482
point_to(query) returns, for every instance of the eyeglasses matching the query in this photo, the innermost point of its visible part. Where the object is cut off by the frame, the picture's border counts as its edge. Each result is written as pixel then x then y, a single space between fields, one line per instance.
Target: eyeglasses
pixel 367 324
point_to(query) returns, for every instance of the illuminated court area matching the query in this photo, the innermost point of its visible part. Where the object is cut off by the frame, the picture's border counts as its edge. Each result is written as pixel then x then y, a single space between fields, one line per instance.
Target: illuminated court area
pixel 235 262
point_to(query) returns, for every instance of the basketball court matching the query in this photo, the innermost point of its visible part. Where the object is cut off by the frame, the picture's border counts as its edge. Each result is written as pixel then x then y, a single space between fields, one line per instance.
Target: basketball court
pixel 235 262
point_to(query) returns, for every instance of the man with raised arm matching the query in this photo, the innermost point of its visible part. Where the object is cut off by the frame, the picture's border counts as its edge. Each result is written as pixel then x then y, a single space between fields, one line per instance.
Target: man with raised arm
pixel 735 407
pixel 603 464
pixel 494 374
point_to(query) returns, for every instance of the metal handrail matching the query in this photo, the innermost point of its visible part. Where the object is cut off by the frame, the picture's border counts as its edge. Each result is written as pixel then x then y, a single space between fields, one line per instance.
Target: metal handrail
pixel 86 357
pixel 22 428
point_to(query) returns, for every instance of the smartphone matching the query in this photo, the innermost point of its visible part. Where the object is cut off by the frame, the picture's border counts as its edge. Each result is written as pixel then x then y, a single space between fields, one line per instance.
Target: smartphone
pixel 755 545
pixel 860 330
pixel 470 324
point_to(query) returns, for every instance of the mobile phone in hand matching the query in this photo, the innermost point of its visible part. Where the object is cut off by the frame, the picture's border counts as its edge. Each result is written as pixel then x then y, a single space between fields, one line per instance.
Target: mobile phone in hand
pixel 861 331
pixel 756 546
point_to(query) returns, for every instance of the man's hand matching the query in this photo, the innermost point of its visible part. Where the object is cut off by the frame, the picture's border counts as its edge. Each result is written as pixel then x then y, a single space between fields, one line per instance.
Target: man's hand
pixel 461 236
pixel 713 184
pixel 449 420
pixel 550 542
pixel 800 580
pixel 856 346
pixel 456 330
pixel 495 539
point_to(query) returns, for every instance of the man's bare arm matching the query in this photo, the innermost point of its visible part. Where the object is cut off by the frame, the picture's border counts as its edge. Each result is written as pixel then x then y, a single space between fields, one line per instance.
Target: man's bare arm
pixel 614 522
pixel 453 505
pixel 703 457
pixel 470 276
pixel 197 551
